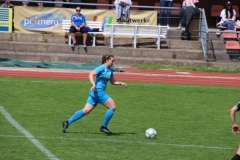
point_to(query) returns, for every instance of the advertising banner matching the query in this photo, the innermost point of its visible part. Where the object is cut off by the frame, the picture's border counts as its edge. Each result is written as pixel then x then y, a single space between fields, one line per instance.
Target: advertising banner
pixel 6 20
pixel 49 20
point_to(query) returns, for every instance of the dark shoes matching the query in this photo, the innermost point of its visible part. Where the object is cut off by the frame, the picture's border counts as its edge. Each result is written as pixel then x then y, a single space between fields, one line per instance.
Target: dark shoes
pixel 102 129
pixel 65 126
pixel 105 130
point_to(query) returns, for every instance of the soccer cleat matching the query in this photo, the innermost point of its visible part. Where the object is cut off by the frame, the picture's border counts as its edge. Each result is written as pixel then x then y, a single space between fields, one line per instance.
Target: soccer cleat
pixel 105 130
pixel 65 126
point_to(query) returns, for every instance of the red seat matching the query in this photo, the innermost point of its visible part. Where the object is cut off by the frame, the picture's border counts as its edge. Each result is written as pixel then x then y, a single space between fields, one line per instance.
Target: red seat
pixel 232 45
pixel 216 11
pixel 229 34
pixel 175 11
pixel 233 49
pixel 237 11
pixel 102 2
pixel 135 3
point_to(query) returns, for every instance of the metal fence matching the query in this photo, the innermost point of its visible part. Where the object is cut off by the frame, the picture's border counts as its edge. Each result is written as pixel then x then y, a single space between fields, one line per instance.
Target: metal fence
pixel 214 47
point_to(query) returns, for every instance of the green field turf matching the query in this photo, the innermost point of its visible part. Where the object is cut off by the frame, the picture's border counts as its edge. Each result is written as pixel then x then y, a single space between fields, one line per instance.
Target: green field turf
pixel 192 121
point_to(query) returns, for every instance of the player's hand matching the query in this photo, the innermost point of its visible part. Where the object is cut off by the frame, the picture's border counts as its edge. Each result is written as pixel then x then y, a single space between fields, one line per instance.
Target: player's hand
pixel 235 129
pixel 93 88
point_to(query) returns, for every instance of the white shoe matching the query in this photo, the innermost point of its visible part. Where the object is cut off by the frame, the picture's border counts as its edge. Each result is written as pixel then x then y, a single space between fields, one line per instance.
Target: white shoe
pixel 168 27
pixel 218 33
pixel 73 45
pixel 179 28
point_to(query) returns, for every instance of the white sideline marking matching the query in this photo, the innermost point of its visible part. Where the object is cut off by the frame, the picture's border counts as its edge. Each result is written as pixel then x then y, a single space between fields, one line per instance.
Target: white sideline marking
pixel 27 134
pixel 151 84
pixel 116 141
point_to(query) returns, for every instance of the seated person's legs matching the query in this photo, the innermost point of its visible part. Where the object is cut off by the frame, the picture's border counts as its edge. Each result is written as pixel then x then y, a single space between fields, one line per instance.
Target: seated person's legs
pixel 229 25
pixel 126 12
pixel 119 11
pixel 72 34
pixel 84 31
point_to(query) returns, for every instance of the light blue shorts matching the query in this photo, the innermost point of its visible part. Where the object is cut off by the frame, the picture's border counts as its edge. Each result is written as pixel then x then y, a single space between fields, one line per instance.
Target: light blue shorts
pixel 98 96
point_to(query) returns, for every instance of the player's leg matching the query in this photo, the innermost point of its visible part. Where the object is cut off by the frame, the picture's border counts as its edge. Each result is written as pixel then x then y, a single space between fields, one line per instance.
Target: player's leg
pixel 80 113
pixel 110 104
pixel 237 156
pixel 91 103
pixel 77 115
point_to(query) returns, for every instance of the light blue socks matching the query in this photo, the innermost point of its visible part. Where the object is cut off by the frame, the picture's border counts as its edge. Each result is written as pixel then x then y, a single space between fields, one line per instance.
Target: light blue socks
pixel 108 116
pixel 77 115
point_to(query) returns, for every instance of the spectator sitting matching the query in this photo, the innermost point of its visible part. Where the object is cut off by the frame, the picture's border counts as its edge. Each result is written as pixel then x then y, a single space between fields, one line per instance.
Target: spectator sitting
pixel 7 4
pixel 78 22
pixel 187 3
pixel 123 7
pixel 25 4
pixel 228 15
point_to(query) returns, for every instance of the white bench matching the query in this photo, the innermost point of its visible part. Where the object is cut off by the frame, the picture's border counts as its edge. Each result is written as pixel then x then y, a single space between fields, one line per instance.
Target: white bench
pixel 135 31
pixel 66 24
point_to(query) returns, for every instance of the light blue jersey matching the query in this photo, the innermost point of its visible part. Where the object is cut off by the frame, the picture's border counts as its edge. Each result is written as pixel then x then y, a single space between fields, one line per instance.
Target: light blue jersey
pixel 104 74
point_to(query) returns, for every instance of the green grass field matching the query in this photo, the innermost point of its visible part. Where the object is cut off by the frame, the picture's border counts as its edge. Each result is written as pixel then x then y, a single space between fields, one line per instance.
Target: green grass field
pixel 192 121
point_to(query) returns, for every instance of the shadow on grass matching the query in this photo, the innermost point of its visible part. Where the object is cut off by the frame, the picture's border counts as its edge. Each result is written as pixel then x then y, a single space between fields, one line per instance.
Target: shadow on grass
pixel 114 134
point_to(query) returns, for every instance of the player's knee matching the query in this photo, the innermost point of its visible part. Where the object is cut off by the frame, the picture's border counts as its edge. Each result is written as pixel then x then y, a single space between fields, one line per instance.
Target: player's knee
pixel 113 107
pixel 86 112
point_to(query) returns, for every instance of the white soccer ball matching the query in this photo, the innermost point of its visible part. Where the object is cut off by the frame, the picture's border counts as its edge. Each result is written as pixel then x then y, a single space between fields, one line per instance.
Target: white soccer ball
pixel 151 133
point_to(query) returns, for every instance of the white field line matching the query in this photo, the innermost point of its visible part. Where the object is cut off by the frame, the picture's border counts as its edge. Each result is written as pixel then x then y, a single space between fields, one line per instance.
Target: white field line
pixel 153 84
pixel 27 134
pixel 122 141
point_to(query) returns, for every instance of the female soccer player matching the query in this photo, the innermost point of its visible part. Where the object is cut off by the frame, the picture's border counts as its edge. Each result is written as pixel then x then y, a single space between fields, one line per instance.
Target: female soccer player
pixel 235 128
pixel 97 93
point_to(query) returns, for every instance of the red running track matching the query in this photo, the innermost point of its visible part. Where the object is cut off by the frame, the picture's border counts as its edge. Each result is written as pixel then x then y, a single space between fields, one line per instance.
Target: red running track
pixel 168 76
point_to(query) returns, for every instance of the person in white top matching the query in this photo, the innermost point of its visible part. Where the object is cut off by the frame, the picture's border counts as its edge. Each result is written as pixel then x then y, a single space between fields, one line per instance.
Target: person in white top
pixel 228 16
pixel 123 7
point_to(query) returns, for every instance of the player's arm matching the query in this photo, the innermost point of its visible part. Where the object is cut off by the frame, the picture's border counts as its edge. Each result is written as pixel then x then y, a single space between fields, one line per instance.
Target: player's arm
pixel 235 128
pixel 114 82
pixel 91 78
